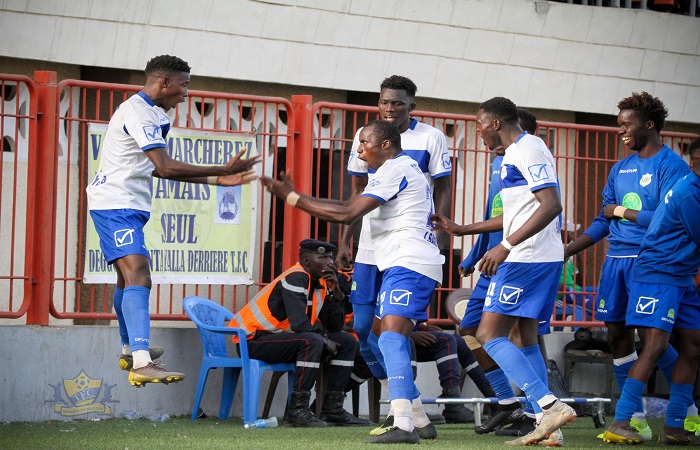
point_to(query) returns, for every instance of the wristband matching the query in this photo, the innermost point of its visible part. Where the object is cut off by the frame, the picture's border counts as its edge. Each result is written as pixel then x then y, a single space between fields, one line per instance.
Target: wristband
pixel 619 211
pixel 293 198
pixel 213 179
pixel 507 244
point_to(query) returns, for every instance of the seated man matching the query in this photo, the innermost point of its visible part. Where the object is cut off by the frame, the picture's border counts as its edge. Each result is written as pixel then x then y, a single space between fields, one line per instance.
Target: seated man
pixel 279 324
pixel 451 356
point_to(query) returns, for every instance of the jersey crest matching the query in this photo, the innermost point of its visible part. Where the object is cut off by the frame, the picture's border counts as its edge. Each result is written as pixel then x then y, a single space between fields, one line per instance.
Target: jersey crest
pixel 646 179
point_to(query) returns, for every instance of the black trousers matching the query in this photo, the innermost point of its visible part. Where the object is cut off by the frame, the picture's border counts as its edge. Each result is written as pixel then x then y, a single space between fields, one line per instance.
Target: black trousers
pixel 307 349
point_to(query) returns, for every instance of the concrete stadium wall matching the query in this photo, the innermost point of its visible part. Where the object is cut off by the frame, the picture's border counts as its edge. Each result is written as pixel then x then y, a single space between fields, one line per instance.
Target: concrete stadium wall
pixel 541 54
pixel 35 361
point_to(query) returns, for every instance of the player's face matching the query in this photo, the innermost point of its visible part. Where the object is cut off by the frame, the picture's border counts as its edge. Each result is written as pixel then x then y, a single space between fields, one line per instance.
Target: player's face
pixel 319 264
pixel 395 106
pixel 487 127
pixel 370 149
pixel 633 130
pixel 175 87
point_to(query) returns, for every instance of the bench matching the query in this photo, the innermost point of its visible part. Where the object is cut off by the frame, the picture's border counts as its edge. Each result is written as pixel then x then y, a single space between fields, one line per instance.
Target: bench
pixel 598 414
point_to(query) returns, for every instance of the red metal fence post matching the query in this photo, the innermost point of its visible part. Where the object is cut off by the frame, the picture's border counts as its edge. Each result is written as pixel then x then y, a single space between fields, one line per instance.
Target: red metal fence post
pixel 41 202
pixel 300 163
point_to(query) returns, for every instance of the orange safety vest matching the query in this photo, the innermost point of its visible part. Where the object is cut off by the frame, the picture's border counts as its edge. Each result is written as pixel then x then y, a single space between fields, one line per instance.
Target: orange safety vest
pixel 256 315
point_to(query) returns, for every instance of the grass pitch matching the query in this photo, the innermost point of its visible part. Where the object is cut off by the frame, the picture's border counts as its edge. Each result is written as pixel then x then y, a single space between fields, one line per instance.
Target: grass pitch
pixel 182 433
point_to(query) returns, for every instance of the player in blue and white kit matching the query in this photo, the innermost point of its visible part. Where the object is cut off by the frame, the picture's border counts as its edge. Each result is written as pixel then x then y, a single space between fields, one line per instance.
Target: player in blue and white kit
pixel 663 299
pixel 428 147
pixel 399 204
pixel 526 265
pixel 636 185
pixel 119 200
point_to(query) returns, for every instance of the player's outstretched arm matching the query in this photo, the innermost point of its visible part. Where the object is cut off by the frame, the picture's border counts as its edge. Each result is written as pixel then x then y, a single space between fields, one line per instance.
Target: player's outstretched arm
pixel 172 169
pixel 324 209
pixel 441 222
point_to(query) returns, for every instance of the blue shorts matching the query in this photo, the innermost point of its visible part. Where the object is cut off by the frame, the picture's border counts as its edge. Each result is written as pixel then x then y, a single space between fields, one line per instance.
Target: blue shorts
pixel 613 293
pixel 121 232
pixel 366 281
pixel 475 305
pixel 663 306
pixel 524 289
pixel 405 293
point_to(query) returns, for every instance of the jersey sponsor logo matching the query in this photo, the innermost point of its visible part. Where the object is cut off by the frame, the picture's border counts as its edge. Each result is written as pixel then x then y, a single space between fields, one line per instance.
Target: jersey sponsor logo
pixel 668 195
pixel 372 183
pixel 646 305
pixel 153 133
pixel 646 179
pixel 446 161
pixel 399 297
pixel 671 313
pixel 538 172
pixel 497 206
pixel 628 171
pixel 124 237
pixel 509 295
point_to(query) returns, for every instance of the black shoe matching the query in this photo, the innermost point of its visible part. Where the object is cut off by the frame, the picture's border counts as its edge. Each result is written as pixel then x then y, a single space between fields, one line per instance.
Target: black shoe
pixel 395 435
pixel 343 419
pixel 457 414
pixel 518 428
pixel 302 418
pixel 436 419
pixel 427 432
pixel 505 415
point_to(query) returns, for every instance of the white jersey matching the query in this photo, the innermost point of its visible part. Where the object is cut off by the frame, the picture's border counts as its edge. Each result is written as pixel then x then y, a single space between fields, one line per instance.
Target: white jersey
pixel 124 178
pixel 527 167
pixel 427 146
pixel 400 228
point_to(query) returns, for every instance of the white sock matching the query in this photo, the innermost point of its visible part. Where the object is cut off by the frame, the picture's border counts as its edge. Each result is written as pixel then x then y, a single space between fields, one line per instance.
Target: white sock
pixel 546 400
pixel 141 358
pixel 403 417
pixel 420 418
pixel 639 416
pixel 692 410
pixel 385 388
pixel 126 349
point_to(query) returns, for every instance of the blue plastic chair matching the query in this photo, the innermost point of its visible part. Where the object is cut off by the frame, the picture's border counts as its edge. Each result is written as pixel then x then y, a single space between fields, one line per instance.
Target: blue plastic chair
pixel 212 323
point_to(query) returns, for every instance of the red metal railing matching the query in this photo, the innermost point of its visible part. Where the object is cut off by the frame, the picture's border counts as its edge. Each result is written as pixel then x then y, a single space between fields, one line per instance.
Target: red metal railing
pixel 312 141
pixel 18 126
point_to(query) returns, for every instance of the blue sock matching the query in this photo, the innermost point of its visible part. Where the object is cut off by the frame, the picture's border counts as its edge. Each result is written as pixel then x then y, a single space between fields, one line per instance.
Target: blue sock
pixel 379 369
pixel 363 316
pixel 681 396
pixel 123 333
pixel 621 372
pixel 516 367
pixel 136 316
pixel 629 397
pixel 500 384
pixel 529 408
pixel 397 356
pixel 534 356
pixel 667 361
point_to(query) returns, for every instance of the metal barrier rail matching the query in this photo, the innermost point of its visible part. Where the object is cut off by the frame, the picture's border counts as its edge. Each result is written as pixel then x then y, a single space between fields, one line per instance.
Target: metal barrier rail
pixel 18 117
pixel 269 119
pixel 312 140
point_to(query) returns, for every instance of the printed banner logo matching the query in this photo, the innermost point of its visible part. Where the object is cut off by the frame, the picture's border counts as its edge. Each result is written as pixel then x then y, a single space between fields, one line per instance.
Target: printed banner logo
pixel 80 395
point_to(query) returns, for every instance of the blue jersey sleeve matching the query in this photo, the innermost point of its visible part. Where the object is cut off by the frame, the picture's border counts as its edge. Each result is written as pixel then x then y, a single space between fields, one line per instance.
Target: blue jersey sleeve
pixel 477 252
pixel 689 215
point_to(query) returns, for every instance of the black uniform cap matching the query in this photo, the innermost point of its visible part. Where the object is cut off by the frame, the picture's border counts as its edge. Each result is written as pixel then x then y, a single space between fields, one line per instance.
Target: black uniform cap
pixel 316 246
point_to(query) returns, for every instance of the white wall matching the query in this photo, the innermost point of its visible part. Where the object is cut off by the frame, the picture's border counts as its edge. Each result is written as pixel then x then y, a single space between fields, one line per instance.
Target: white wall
pixel 540 54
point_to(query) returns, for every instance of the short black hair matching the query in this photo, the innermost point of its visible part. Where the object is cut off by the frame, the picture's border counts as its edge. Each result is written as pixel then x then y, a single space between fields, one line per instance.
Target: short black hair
pixel 386 131
pixel 166 65
pixel 399 82
pixel 527 120
pixel 694 146
pixel 500 108
pixel 646 107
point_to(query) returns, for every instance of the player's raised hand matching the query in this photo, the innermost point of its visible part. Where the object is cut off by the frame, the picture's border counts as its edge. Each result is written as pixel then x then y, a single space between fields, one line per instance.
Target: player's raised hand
pixel 280 188
pixel 237 178
pixel 237 164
